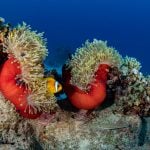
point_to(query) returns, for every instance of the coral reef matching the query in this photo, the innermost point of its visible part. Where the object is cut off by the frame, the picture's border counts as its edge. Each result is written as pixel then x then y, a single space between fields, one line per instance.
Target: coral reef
pixel 121 122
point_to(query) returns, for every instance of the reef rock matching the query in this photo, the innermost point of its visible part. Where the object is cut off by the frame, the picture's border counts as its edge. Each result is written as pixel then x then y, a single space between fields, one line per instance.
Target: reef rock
pixel 105 131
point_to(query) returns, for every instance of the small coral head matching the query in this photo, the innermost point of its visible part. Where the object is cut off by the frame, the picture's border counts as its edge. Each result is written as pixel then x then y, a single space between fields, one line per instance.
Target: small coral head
pixel 53 86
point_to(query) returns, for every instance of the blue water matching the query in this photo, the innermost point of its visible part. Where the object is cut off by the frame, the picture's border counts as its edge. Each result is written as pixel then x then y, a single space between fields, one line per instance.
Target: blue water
pixel 125 24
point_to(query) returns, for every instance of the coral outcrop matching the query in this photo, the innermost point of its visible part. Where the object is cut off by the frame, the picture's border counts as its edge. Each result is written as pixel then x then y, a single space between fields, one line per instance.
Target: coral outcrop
pixel 132 93
pixel 105 131
pixel 15 132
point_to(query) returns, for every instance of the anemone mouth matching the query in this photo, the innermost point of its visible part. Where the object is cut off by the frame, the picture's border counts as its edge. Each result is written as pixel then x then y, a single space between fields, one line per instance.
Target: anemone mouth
pixel 20 82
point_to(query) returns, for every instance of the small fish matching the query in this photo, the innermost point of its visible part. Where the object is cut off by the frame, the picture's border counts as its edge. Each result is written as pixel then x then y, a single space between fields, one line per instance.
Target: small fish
pixel 53 86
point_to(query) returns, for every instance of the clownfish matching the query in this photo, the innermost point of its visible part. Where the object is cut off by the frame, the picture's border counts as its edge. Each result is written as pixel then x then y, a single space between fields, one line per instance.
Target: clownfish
pixel 53 86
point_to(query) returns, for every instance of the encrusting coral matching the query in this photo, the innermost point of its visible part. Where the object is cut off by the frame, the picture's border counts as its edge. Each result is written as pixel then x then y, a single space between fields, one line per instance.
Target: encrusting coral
pixel 8 114
pixel 132 92
pixel 15 133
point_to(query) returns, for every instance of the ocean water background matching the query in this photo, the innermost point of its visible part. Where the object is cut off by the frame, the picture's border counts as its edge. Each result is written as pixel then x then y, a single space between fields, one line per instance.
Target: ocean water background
pixel 125 24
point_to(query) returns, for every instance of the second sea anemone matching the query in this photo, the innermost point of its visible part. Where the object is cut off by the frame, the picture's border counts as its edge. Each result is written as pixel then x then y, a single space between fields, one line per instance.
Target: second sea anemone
pixel 85 75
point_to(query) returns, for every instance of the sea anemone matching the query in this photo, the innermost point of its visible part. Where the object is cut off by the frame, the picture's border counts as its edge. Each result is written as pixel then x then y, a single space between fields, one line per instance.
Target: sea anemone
pixel 86 60
pixel 27 49
pixel 85 75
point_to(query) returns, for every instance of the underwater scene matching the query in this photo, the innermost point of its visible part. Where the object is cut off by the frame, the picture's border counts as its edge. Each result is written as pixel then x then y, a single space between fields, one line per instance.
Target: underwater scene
pixel 75 75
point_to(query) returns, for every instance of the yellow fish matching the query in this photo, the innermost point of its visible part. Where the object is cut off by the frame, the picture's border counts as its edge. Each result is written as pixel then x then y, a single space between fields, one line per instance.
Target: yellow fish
pixel 53 86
